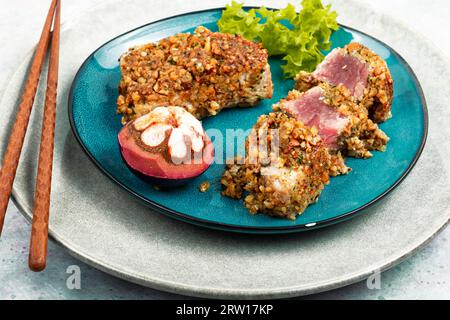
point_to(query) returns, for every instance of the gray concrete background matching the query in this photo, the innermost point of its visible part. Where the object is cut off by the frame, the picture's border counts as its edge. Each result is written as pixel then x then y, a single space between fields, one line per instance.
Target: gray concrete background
pixel 424 276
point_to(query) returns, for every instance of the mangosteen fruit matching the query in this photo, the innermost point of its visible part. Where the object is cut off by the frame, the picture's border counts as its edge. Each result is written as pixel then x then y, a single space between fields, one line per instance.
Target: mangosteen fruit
pixel 168 145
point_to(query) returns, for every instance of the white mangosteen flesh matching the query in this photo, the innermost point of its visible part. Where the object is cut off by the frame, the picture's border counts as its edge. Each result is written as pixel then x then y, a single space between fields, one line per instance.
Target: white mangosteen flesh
pixel 182 129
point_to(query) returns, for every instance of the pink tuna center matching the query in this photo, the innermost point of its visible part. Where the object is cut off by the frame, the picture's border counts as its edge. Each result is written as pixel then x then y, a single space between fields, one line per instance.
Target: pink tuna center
pixel 341 68
pixel 312 110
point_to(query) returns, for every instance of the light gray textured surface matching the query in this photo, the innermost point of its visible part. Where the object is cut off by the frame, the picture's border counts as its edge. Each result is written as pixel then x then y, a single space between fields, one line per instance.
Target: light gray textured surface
pixel 424 276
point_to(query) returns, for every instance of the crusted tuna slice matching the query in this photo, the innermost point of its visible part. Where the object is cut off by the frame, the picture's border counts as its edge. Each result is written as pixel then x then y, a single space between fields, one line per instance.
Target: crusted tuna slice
pixel 313 111
pixel 362 72
pixel 202 72
pixel 285 168
pixel 345 69
pixel 342 124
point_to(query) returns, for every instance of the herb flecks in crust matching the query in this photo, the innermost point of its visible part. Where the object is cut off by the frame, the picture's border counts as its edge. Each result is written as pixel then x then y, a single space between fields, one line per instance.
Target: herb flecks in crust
pixel 274 181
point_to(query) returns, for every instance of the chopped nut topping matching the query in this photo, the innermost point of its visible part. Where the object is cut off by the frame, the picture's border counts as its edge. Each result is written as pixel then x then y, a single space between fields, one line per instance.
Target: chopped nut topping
pixel 204 186
pixel 191 71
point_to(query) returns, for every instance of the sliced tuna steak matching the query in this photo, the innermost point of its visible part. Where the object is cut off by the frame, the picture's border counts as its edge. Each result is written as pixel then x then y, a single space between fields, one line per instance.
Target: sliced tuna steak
pixel 342 124
pixel 294 177
pixel 341 68
pixel 364 73
pixel 203 72
pixel 312 110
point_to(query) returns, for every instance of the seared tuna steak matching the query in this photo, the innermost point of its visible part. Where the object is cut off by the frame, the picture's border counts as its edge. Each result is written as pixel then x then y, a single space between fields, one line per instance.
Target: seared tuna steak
pixel 342 124
pixel 284 180
pixel 313 111
pixel 202 72
pixel 362 72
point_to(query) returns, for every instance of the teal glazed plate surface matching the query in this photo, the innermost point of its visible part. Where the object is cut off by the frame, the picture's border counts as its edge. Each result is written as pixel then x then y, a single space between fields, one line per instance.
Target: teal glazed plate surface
pixel 92 106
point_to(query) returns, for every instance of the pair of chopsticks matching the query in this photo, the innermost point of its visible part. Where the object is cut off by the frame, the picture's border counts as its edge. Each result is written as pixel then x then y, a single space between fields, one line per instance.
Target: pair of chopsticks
pixel 39 232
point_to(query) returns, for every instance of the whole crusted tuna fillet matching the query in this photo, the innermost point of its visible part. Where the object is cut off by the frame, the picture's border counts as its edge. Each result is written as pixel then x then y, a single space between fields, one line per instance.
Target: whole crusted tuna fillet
pixel 362 72
pixel 281 181
pixel 342 124
pixel 203 72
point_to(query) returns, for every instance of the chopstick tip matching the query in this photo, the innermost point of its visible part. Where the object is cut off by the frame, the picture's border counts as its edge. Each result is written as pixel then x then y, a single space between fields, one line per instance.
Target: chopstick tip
pixel 37 265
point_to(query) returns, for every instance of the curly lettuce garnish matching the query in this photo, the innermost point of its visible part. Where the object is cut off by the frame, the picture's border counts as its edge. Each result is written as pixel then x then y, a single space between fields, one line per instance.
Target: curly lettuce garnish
pixel 299 37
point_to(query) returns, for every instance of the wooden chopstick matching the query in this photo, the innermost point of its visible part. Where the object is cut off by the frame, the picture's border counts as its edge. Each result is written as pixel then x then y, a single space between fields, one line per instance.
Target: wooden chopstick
pixel 15 143
pixel 39 232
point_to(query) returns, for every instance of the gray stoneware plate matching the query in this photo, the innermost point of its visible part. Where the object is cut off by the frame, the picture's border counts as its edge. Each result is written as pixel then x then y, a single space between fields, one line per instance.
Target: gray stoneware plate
pixel 100 224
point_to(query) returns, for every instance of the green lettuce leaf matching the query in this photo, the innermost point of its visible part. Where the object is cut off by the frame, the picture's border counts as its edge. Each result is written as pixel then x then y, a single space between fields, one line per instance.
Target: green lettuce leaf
pixel 299 38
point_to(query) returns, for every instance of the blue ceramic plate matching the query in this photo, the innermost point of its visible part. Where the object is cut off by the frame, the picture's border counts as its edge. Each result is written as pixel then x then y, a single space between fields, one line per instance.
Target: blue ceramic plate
pixel 95 124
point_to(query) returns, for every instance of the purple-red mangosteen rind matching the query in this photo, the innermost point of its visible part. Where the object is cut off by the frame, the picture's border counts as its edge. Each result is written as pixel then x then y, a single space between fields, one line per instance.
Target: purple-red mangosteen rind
pixel 155 167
